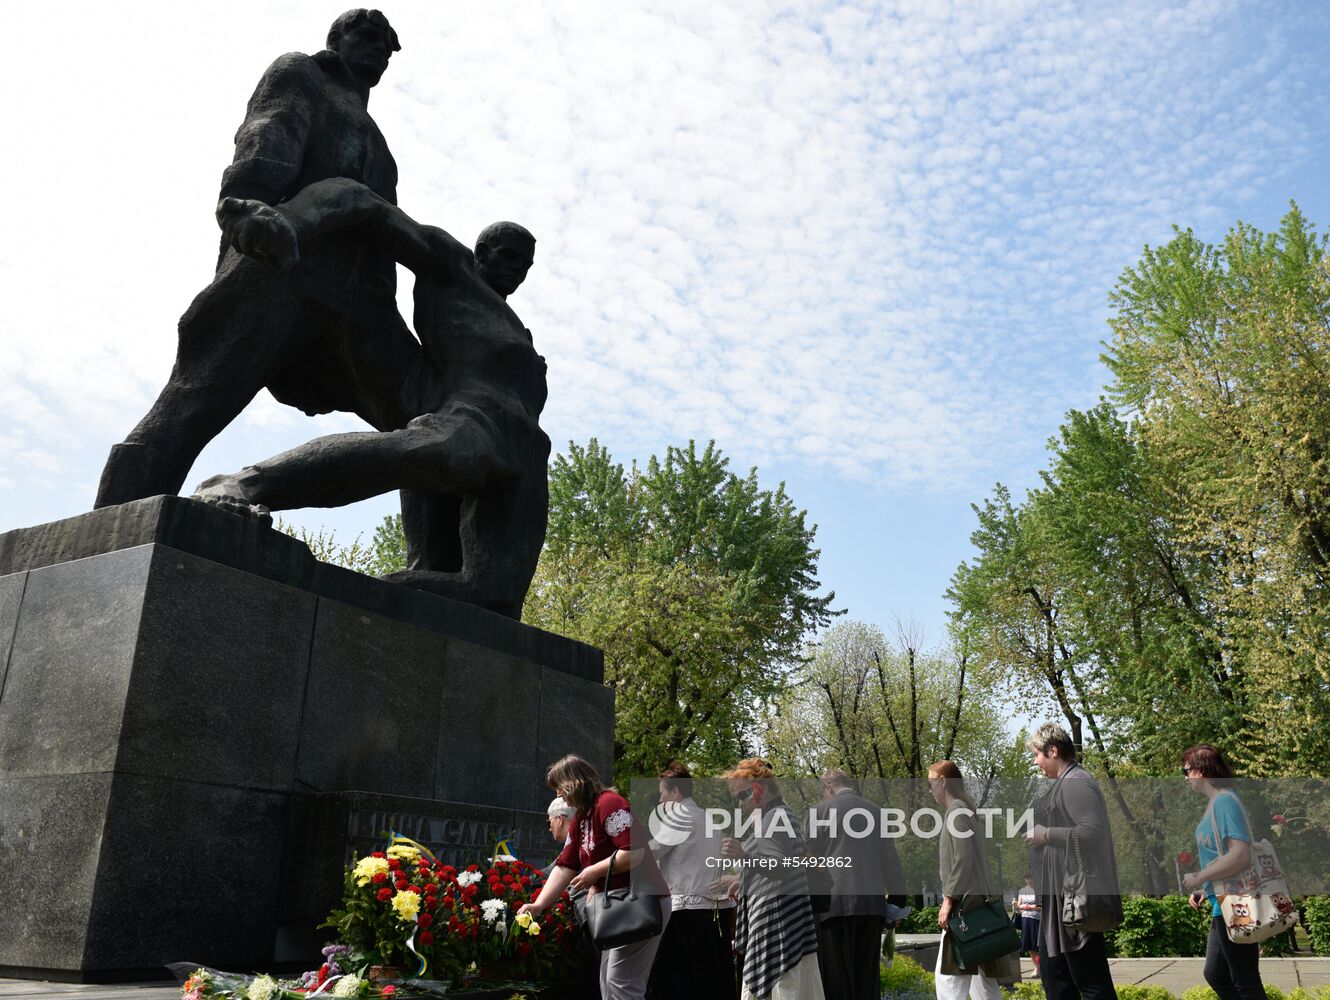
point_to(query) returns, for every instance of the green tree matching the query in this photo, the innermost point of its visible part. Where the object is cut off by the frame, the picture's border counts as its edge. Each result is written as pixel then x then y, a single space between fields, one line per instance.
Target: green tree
pixel 1167 582
pixel 885 709
pixel 1221 355
pixel 386 552
pixel 699 585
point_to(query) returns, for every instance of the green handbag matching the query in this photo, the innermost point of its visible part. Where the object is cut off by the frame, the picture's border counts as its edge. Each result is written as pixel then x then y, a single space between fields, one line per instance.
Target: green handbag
pixel 982 934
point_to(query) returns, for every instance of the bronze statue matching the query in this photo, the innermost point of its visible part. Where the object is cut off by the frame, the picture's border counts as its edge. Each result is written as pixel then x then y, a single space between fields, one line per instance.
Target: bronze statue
pixel 478 387
pixel 323 336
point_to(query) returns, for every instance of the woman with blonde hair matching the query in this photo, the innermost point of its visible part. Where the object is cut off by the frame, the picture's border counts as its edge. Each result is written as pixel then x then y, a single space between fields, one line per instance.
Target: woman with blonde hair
pixel 600 835
pixel 967 880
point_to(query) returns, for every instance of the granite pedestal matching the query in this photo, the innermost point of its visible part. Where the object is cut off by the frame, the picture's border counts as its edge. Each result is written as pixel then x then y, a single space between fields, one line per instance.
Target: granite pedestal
pixel 197 718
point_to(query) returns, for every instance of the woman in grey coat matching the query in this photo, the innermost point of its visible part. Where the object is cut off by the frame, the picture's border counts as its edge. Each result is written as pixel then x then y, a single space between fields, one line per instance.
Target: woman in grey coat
pixel 1071 820
pixel 967 881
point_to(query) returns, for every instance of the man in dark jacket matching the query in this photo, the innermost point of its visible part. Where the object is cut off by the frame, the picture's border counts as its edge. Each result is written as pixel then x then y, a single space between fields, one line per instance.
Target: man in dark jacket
pixel 322 336
pixel 850 925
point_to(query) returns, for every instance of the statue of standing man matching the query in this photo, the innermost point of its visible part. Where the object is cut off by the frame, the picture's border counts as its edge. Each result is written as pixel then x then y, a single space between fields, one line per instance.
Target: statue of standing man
pixel 322 336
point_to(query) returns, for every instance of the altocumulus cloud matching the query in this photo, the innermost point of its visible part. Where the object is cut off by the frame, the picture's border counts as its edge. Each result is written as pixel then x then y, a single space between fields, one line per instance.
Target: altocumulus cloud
pixel 868 238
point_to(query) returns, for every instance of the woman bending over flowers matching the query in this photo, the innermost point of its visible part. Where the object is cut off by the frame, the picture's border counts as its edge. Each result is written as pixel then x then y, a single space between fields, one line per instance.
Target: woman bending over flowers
pixel 602 826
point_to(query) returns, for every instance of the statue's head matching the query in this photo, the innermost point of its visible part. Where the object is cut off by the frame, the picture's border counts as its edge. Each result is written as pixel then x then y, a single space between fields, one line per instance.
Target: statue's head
pixel 365 41
pixel 504 252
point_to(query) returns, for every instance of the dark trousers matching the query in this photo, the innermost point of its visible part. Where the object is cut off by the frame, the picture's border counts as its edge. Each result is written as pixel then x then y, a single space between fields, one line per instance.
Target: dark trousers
pixel 1231 969
pixel 849 955
pixel 695 960
pixel 1083 973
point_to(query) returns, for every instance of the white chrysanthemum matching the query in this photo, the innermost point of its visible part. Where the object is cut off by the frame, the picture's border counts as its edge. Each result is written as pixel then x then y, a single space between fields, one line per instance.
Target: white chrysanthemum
pixel 262 988
pixel 493 909
pixel 347 986
pixel 465 879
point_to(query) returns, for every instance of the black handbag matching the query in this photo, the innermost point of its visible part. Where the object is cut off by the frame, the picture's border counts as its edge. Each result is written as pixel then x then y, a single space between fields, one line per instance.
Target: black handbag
pixel 981 934
pixel 1082 910
pixel 617 917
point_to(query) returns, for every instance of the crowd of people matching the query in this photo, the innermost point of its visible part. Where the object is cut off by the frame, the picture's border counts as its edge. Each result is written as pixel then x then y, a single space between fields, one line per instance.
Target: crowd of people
pixel 773 931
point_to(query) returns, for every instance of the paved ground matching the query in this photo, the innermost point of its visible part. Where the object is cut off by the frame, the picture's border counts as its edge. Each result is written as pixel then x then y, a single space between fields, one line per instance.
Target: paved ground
pixel 1174 974
pixel 20 989
pixel 1178 974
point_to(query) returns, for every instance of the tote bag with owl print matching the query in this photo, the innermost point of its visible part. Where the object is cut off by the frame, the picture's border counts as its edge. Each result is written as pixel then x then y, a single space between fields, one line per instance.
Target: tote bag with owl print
pixel 1258 904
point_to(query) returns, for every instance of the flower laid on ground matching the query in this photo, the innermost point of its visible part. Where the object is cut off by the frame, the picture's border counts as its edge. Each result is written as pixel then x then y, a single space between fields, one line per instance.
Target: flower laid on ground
pixel 465 879
pixel 196 986
pixel 347 986
pixel 262 988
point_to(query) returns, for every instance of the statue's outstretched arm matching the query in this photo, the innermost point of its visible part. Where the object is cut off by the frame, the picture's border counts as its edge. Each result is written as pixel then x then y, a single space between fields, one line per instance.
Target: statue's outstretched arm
pixel 276 233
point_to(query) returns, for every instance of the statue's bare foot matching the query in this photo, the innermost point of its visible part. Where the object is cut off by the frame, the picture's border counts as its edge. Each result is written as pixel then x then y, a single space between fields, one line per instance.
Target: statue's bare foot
pixel 228 493
pixel 260 231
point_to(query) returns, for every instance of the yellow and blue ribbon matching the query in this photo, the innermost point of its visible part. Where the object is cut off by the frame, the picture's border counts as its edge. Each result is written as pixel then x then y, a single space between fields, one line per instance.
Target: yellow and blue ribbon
pixel 395 838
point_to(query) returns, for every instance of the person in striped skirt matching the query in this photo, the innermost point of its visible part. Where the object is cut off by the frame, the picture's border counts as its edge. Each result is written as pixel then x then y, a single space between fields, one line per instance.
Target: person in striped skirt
pixel 775 931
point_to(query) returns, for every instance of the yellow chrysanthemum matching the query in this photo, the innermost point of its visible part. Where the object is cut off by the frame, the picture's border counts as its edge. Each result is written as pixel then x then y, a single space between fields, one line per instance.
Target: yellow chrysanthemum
pixel 404 852
pixel 406 905
pixel 367 867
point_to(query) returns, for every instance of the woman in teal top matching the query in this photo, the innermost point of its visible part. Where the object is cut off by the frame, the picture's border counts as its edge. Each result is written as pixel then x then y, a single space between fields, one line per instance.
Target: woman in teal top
pixel 1223 849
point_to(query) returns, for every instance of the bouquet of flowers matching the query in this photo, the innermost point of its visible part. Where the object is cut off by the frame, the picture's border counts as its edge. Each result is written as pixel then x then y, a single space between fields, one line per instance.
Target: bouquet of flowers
pixel 402 908
pixel 200 983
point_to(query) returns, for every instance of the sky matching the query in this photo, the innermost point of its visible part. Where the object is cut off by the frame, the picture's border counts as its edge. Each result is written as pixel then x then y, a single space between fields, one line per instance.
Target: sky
pixel 865 247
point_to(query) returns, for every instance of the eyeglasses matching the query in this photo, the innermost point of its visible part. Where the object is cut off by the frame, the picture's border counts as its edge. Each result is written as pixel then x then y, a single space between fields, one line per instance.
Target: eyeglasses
pixel 744 794
pixel 1187 770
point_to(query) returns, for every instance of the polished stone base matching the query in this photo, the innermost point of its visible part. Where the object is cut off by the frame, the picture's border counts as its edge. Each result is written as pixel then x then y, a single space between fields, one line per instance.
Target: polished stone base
pixel 182 690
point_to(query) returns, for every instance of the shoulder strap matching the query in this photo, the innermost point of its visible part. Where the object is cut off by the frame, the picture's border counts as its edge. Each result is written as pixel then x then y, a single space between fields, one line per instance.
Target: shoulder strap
pixel 1219 840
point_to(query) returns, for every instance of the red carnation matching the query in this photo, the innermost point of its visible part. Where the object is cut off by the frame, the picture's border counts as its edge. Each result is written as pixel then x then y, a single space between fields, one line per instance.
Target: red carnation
pixel 525 881
pixel 412 888
pixel 401 884
pixel 426 937
pixel 424 920
pixel 377 854
pixel 1278 819
pixel 394 864
pixel 384 894
pixel 1186 857
pixel 380 877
